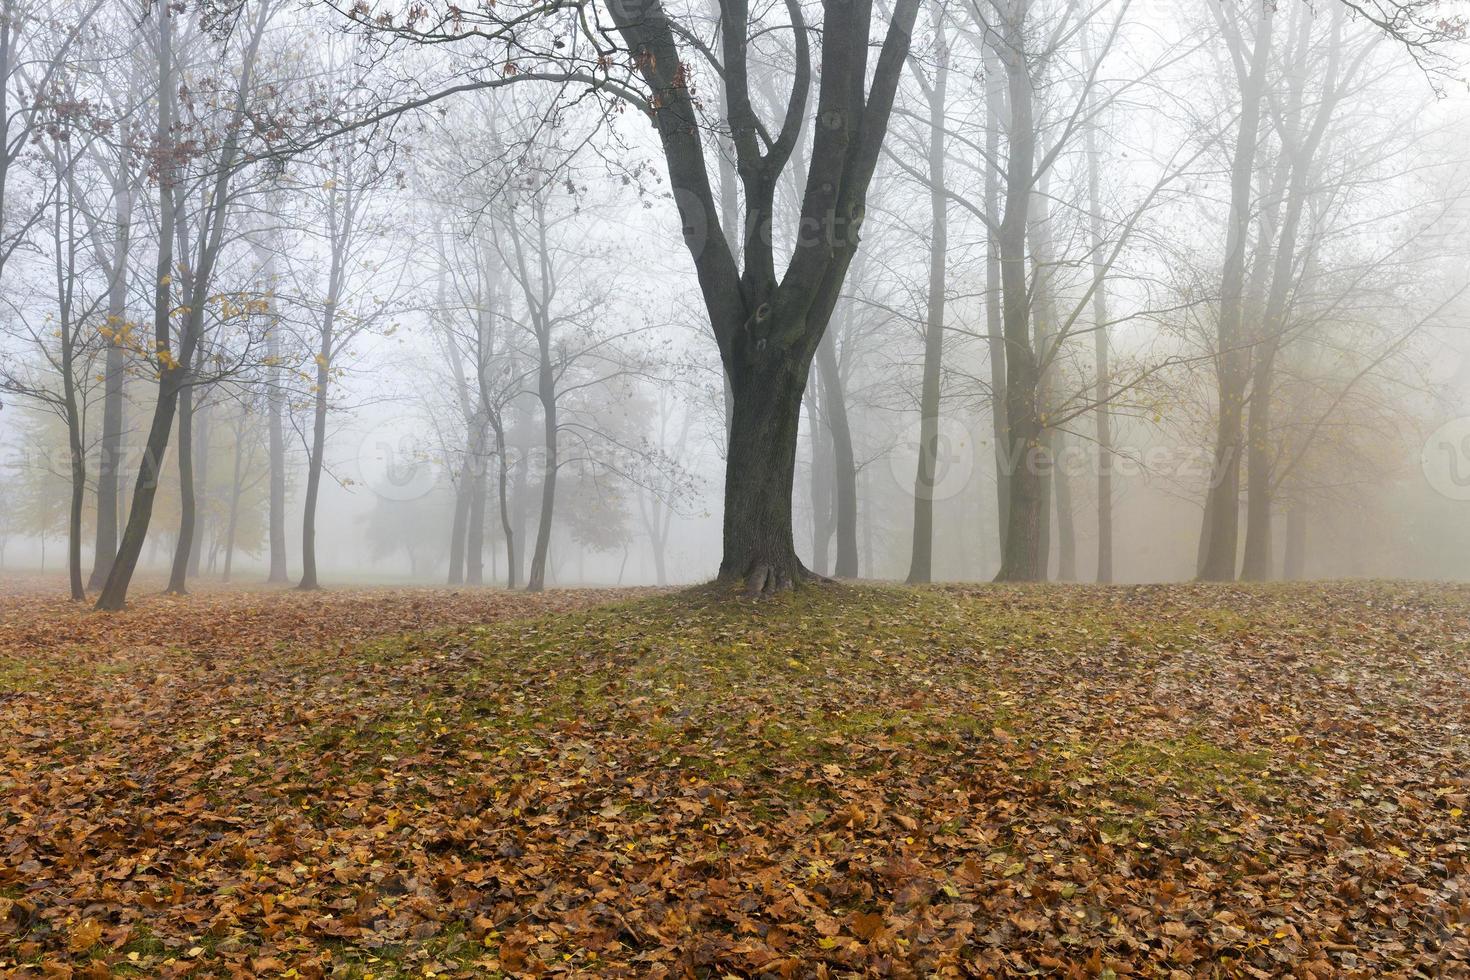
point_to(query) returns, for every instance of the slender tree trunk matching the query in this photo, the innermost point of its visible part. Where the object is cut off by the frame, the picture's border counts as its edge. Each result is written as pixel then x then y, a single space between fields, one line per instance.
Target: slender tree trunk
pixel 520 497
pixel 236 491
pixel 275 423
pixel 201 485
pixel 1256 564
pixel 511 566
pixel 109 459
pixel 844 460
pixel 1066 516
pixel 182 548
pixel 461 519
pixel 174 372
pixel 821 486
pixel 475 543
pixel 1102 368
pixel 78 473
pixel 921 560
pixel 660 542
pixel 309 580
pixel 1295 565
pixel 171 374
pixel 1220 534
pixel 340 222
pixel 1023 558
pixel 996 110
pixel 546 390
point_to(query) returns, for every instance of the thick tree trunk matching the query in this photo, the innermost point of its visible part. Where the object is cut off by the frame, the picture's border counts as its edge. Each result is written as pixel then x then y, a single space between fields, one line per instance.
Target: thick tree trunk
pixel 1023 557
pixel 768 326
pixel 759 473
pixel 182 547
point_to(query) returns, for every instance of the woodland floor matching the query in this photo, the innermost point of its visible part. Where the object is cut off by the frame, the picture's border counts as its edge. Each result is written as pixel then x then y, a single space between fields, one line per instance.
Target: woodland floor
pixel 847 781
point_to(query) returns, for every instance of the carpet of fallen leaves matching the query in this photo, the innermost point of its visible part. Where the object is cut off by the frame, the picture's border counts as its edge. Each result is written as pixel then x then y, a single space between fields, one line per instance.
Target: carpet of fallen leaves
pixel 849 781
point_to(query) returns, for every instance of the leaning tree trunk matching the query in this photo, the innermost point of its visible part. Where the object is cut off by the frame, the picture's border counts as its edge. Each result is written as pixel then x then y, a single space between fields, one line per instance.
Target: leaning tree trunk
pixel 171 373
pixel 135 533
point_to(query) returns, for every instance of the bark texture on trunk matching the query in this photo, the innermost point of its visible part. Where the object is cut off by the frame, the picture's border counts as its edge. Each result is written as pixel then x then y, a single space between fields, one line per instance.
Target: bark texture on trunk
pixel 1023 557
pixel 768 326
pixel 760 470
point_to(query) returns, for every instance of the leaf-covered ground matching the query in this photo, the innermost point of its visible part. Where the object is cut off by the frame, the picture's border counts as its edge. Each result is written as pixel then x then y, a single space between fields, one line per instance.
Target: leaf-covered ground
pixel 1163 781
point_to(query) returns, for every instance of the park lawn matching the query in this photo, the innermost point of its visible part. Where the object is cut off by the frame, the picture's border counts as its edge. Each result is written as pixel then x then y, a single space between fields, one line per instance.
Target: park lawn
pixel 843 781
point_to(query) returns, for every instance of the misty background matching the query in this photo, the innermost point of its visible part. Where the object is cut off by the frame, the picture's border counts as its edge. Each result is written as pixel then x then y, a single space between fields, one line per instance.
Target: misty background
pixel 465 343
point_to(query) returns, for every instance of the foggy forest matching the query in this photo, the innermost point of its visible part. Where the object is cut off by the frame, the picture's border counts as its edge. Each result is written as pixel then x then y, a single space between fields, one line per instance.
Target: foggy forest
pixel 712 488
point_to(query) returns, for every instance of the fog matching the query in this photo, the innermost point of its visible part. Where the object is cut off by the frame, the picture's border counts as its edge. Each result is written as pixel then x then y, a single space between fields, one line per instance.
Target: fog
pixel 1022 290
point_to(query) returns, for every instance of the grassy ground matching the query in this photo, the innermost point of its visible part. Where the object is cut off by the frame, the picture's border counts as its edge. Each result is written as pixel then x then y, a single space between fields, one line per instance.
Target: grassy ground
pixel 1185 781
